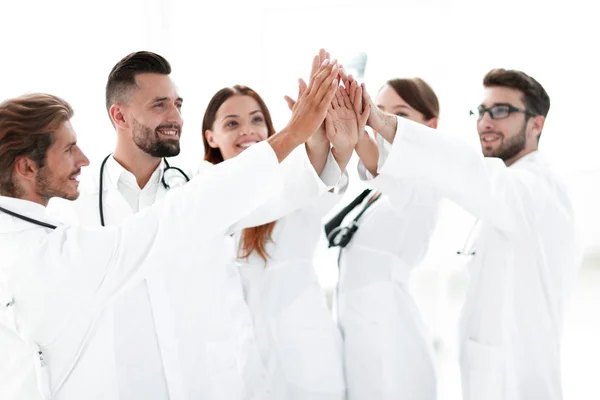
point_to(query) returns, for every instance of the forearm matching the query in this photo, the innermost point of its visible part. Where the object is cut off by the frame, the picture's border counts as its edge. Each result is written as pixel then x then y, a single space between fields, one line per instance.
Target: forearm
pixel 368 152
pixel 317 149
pixel 284 142
pixel 342 157
pixel 388 127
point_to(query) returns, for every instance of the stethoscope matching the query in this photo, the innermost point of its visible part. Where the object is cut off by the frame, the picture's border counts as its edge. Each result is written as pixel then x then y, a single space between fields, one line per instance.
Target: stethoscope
pixel 101 187
pixel 27 219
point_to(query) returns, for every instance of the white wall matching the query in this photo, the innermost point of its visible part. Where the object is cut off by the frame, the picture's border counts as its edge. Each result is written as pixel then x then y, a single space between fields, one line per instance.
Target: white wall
pixel 68 47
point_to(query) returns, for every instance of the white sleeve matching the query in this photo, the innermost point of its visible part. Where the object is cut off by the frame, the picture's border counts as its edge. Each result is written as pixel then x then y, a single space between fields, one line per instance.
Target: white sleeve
pixel 301 186
pixel 82 267
pixel 506 198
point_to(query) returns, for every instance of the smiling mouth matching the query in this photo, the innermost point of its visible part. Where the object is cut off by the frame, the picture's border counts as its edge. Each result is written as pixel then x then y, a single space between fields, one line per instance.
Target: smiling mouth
pixel 245 145
pixel 173 133
pixel 490 138
pixel 75 177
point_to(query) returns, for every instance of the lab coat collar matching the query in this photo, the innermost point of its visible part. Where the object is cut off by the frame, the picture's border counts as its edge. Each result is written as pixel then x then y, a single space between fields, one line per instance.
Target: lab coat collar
pixel 25 207
pixel 534 156
pixel 116 172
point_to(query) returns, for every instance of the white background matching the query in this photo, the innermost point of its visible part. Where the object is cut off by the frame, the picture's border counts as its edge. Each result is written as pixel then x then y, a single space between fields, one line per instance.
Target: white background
pixel 68 47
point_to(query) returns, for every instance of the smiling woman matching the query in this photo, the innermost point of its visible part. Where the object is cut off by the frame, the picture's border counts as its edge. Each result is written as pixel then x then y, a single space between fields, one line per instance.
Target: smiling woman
pixel 236 118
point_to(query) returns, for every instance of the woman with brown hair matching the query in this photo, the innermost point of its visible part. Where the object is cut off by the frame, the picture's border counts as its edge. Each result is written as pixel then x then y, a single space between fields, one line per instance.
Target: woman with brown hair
pixel 382 236
pixel 299 345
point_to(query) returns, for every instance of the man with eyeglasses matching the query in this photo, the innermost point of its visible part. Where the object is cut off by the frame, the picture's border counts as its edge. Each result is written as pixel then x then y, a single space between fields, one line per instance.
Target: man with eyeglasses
pixel 525 259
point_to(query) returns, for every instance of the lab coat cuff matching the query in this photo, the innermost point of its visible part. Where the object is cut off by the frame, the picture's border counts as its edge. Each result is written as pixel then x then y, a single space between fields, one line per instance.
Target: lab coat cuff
pixel 389 153
pixel 342 184
pixel 331 175
pixel 363 172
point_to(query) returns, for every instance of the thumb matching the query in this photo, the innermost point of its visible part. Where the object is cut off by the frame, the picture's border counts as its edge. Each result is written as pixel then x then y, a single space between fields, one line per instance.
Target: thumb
pixel 329 128
pixel 366 98
pixel 290 102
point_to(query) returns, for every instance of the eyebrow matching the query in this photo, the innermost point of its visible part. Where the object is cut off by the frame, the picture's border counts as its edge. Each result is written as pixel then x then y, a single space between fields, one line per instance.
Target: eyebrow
pixel 237 116
pixel 497 104
pixel 70 144
pixel 159 99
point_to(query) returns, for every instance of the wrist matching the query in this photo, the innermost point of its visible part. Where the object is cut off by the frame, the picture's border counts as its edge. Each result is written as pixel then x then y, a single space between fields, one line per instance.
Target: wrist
pixel 294 135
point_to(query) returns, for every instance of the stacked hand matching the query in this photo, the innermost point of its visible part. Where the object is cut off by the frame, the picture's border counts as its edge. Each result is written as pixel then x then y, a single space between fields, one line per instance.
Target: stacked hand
pixel 308 113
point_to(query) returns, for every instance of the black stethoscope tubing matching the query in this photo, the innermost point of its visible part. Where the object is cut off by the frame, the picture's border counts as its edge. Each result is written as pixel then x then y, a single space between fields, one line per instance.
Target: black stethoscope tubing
pixel 101 186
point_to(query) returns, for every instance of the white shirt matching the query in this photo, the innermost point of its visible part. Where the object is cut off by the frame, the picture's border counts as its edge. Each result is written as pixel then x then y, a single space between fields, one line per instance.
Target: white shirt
pixel 135 332
pixel 64 281
pixel 525 263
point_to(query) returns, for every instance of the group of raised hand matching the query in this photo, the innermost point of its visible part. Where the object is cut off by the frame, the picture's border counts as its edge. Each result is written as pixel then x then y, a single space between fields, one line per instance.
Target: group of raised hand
pixel 339 109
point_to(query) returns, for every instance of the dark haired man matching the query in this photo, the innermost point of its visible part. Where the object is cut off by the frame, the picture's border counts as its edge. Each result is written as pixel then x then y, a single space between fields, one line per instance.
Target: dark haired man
pixel 525 257
pixel 59 283
pixel 164 327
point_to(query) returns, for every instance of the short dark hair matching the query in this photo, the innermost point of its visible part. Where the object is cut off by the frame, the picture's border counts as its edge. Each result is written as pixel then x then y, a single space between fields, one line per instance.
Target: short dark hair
pixel 27 125
pixel 534 97
pixel 122 77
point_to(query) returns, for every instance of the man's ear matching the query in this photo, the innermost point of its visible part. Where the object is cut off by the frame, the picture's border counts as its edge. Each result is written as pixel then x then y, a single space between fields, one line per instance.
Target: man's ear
pixel 537 125
pixel 117 115
pixel 26 168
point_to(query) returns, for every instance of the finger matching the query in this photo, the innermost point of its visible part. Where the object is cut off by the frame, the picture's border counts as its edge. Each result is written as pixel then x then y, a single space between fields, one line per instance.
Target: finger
pixel 338 100
pixel 362 120
pixel 352 93
pixel 330 79
pixel 322 57
pixel 346 98
pixel 301 87
pixel 329 129
pixel 366 97
pixel 321 74
pixel 290 102
pixel 357 103
pixel 316 63
pixel 328 97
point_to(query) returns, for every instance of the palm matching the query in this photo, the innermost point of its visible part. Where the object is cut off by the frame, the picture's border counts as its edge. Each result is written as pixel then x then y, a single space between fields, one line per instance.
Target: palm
pixel 344 134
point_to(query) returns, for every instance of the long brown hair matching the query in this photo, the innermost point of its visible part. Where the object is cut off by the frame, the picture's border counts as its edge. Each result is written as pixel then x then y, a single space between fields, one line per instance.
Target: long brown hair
pixel 253 239
pixel 27 126
pixel 418 94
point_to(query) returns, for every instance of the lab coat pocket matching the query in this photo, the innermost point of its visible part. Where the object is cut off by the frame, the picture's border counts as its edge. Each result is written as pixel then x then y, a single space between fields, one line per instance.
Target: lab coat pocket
pixel 309 345
pixel 483 372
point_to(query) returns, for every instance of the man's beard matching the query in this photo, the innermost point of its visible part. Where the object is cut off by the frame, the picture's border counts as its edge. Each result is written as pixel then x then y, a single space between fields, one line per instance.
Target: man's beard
pixel 48 186
pixel 512 146
pixel 149 141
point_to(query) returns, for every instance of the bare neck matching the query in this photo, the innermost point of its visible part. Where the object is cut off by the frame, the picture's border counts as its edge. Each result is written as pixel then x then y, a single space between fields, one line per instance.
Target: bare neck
pixel 133 159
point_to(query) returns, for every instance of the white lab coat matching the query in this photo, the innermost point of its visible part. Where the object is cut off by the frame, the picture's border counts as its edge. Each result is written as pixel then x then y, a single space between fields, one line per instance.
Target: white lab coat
pixel 387 351
pixel 201 323
pixel 525 263
pixel 61 282
pixel 298 341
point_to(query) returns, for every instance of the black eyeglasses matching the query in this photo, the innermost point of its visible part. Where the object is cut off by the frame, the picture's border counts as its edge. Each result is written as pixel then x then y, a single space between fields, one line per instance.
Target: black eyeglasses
pixel 499 111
